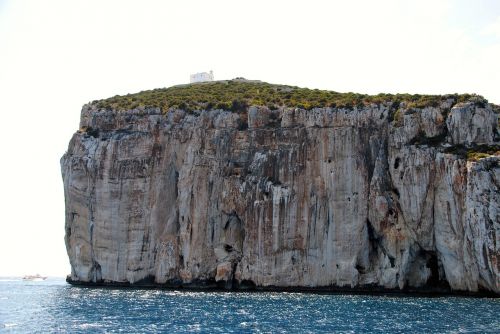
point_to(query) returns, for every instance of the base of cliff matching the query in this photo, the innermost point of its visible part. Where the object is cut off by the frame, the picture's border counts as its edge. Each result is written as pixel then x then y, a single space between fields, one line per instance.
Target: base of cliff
pixel 212 285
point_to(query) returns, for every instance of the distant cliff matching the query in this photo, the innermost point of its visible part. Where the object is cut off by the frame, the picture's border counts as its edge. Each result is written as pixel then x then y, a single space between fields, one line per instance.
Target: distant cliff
pixel 249 185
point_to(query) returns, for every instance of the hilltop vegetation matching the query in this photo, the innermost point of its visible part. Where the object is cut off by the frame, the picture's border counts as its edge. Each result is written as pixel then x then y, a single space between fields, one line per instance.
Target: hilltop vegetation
pixel 238 94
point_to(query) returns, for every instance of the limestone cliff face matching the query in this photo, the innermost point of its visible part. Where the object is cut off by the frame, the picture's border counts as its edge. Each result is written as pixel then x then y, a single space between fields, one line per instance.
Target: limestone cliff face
pixel 287 198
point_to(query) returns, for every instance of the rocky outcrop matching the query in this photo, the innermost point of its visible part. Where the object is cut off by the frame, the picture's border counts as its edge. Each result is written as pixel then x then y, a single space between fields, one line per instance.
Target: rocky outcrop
pixel 379 197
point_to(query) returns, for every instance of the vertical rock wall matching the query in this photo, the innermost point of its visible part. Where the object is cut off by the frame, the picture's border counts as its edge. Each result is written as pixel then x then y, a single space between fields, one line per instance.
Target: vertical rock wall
pixel 360 198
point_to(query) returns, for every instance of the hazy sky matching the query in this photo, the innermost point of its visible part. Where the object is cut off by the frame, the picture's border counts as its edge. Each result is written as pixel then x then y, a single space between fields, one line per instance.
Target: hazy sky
pixel 57 55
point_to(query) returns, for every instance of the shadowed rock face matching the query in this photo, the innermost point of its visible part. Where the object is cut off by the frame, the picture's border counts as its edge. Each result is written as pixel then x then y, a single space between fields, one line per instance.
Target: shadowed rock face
pixel 287 198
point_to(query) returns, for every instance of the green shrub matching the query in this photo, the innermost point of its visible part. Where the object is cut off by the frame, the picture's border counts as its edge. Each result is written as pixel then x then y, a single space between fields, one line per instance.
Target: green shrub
pixel 475 156
pixel 398 118
pixel 483 151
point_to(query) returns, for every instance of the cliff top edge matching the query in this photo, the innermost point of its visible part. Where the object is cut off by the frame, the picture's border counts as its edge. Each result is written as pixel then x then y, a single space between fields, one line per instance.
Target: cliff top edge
pixel 237 94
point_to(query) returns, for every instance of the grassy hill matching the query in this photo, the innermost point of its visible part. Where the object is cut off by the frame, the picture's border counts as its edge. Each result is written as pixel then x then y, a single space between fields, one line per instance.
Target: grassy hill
pixel 238 94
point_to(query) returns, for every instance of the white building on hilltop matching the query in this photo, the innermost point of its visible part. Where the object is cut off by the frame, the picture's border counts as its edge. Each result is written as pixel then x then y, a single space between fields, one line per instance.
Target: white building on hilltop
pixel 201 77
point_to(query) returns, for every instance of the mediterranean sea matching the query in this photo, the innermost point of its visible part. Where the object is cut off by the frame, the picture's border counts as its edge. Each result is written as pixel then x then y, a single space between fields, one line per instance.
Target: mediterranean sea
pixel 53 306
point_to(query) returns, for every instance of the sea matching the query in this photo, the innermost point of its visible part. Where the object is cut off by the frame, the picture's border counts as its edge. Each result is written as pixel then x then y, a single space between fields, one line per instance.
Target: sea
pixel 53 306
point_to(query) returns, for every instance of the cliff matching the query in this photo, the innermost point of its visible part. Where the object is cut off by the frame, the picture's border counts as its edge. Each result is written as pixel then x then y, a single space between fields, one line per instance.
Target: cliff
pixel 384 194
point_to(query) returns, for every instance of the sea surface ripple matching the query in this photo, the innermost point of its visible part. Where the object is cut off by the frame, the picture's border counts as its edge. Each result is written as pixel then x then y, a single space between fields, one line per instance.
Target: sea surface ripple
pixel 52 306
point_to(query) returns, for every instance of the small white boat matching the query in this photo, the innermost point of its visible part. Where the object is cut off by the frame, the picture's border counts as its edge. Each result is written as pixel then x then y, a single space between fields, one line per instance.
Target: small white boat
pixel 35 278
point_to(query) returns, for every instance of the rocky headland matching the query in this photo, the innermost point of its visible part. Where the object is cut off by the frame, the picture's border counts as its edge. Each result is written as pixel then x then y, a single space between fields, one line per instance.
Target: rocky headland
pixel 285 188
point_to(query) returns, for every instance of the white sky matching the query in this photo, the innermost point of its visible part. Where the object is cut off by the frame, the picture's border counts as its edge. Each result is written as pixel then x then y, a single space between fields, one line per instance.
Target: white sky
pixel 57 55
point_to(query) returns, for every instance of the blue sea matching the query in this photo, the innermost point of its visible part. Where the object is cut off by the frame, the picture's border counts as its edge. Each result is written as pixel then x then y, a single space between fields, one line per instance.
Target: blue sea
pixel 52 306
